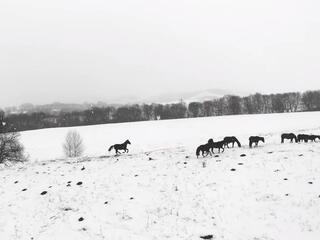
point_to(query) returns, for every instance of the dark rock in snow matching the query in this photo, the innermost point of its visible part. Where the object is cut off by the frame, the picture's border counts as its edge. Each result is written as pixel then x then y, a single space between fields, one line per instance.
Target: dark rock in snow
pixel 243 155
pixel 23 190
pixel 79 183
pixel 310 182
pixel 285 179
pixel 233 169
pixel 83 168
pixel 240 163
pixel 81 219
pixel 207 237
pixel 44 193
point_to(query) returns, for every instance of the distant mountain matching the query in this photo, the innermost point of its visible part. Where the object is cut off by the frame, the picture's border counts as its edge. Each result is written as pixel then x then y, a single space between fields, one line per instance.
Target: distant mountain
pixel 195 96
pixel 173 97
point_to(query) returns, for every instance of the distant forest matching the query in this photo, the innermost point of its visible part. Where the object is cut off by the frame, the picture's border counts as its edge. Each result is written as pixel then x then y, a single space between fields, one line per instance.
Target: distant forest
pixel 227 105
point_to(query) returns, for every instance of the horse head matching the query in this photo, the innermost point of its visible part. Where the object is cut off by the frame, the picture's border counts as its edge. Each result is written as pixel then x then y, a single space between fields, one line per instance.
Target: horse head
pixel 210 141
pixel 262 139
pixel 128 142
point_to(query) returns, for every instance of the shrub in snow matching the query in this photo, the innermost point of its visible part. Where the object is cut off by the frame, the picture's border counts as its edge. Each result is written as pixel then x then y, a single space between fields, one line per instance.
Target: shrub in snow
pixel 11 150
pixel 73 146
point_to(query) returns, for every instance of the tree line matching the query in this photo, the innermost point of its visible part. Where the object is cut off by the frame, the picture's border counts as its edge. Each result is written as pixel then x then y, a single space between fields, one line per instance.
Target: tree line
pixel 227 105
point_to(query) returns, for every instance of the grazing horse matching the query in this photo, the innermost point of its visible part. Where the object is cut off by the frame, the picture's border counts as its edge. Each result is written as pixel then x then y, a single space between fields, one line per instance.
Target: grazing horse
pixel 204 149
pixel 232 140
pixel 219 145
pixel 313 138
pixel 303 137
pixel 290 136
pixel 122 146
pixel 256 140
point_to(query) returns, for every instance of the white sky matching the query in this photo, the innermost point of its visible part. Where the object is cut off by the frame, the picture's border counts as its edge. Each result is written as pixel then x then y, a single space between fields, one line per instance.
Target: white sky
pixel 90 50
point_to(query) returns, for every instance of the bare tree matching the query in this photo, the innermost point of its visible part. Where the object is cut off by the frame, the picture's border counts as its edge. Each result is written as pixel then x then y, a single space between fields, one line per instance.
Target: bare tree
pixel 11 150
pixel 73 146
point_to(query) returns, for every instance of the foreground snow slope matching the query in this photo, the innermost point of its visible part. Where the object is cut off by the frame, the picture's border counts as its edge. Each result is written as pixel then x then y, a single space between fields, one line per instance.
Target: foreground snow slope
pixel 273 192
pixel 46 144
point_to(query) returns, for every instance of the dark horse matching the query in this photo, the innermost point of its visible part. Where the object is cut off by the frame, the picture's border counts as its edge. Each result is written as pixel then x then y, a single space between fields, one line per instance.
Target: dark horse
pixel 232 140
pixel 219 145
pixel 255 140
pixel 303 137
pixel 313 138
pixel 122 146
pixel 290 136
pixel 204 149
pixel 306 138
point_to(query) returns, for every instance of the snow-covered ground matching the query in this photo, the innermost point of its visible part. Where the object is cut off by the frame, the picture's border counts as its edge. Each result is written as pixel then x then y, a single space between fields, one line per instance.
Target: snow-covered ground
pixel 153 135
pixel 160 190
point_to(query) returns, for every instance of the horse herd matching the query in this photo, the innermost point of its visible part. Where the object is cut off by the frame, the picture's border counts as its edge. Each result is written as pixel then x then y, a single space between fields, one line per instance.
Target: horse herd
pixel 299 137
pixel 207 149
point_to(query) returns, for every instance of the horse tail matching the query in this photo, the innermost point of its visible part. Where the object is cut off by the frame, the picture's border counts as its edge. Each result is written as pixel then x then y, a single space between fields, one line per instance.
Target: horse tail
pixel 198 151
pixel 250 143
pixel 111 148
pixel 237 141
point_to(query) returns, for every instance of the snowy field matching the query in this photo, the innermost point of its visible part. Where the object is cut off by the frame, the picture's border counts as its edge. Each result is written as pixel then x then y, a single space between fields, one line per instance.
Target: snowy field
pixel 160 190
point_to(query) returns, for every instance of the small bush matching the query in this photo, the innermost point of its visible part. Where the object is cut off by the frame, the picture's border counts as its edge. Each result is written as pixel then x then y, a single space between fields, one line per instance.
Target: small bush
pixel 11 150
pixel 73 146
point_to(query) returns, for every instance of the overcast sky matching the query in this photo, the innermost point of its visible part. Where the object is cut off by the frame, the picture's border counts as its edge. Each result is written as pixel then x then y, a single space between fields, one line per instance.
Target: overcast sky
pixel 90 50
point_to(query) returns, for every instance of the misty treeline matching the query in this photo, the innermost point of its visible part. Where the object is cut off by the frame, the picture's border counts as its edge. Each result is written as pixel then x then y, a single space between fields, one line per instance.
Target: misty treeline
pixel 227 105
